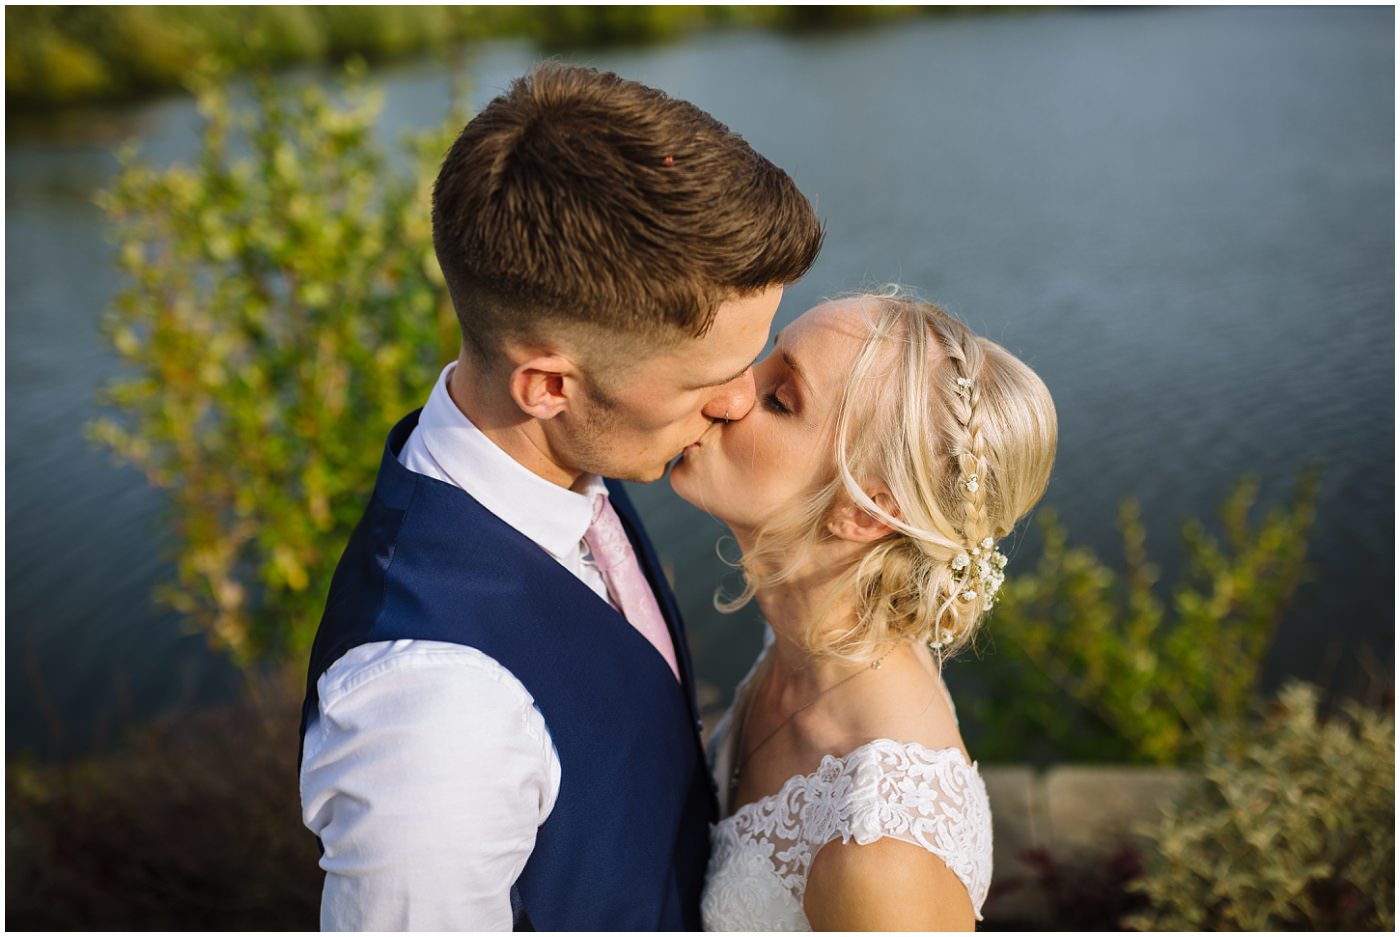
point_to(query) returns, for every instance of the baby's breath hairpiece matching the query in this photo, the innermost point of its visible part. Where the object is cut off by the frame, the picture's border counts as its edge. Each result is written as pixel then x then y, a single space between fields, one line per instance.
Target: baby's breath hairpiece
pixel 979 571
pixel 989 565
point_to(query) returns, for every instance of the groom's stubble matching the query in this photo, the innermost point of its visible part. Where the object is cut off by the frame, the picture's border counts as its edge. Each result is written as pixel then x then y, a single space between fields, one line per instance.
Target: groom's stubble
pixel 596 440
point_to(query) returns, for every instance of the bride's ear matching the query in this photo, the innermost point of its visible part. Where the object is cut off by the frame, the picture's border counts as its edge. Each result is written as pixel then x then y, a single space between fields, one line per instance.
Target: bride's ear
pixel 852 522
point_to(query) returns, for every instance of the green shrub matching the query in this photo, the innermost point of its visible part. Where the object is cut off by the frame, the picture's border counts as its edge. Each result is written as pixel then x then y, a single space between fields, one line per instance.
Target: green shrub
pixel 282 306
pixel 58 55
pixel 65 68
pixel 383 32
pixel 558 27
pixel 1291 827
pixel 1090 665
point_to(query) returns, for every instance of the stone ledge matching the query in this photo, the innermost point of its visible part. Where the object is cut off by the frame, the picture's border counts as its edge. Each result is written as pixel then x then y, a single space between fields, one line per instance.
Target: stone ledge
pixel 1078 815
pixel 1018 823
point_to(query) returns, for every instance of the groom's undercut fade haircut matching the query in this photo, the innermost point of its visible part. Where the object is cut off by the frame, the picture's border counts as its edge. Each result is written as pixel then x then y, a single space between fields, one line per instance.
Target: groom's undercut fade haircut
pixel 578 197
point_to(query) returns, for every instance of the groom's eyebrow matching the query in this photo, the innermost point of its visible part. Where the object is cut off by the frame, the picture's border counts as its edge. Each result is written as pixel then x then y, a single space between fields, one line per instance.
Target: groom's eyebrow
pixel 787 360
pixel 796 369
pixel 734 377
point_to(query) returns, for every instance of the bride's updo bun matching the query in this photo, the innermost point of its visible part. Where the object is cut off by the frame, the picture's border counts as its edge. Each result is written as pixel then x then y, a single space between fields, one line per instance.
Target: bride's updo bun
pixel 963 435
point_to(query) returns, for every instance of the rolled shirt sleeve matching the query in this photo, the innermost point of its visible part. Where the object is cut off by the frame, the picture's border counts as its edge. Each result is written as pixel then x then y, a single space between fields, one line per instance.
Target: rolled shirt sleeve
pixel 426 775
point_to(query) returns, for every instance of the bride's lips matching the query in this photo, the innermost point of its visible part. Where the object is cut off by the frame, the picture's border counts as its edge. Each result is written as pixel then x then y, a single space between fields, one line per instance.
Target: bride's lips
pixel 698 441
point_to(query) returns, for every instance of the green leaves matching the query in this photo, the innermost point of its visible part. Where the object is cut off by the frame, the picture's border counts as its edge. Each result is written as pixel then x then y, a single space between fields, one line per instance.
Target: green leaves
pixel 277 315
pixel 1092 664
pixel 1290 826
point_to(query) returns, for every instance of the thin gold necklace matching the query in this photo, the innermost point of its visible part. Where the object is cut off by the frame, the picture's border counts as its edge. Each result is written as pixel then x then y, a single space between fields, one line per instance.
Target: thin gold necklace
pixel 737 773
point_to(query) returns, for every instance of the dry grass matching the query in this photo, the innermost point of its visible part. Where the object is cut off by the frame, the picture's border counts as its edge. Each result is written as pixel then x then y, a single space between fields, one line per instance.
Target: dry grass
pixel 195 826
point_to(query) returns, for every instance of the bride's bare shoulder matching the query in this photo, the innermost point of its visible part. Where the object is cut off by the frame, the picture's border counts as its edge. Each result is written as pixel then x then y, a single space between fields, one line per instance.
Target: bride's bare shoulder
pixel 886 885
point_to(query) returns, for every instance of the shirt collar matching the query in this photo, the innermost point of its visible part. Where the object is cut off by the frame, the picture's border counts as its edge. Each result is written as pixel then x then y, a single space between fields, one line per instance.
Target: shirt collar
pixel 554 517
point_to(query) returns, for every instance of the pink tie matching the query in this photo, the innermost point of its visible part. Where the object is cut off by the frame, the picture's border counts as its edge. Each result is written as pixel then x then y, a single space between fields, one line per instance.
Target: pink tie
pixel 612 554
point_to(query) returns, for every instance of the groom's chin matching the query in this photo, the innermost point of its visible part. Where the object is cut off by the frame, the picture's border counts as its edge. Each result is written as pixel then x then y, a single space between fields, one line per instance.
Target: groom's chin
pixel 650 477
pixel 644 476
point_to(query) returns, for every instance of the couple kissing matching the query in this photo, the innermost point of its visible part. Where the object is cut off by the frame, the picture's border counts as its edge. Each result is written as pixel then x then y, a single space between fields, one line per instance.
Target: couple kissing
pixel 500 729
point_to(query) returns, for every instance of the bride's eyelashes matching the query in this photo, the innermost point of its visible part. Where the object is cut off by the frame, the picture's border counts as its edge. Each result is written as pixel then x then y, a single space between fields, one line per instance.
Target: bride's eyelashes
pixel 771 401
pixel 776 375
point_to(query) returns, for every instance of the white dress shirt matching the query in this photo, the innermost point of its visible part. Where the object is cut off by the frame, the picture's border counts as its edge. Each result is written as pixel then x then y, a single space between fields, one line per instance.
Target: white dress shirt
pixel 428 768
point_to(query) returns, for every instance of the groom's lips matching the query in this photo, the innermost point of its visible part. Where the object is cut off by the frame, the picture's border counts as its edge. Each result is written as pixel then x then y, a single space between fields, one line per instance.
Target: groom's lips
pixel 696 444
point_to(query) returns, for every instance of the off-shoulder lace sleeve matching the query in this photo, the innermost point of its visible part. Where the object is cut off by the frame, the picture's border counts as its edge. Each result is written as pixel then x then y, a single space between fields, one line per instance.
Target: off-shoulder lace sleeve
pixel 931 798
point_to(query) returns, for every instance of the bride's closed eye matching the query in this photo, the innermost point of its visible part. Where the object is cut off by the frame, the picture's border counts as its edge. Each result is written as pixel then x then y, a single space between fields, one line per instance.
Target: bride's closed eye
pixel 775 368
pixel 772 403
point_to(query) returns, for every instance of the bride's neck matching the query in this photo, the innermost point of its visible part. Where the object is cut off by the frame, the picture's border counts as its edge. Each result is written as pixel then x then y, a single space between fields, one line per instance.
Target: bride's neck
pixel 790 607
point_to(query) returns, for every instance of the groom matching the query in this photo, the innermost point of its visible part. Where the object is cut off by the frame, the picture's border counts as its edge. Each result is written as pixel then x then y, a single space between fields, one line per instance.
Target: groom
pixel 500 727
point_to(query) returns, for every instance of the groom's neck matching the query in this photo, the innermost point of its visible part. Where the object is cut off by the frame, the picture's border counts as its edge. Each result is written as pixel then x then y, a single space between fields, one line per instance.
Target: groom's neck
pixel 488 404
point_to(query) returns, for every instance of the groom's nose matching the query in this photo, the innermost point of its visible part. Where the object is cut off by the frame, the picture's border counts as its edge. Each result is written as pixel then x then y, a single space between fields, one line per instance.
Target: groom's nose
pixel 734 400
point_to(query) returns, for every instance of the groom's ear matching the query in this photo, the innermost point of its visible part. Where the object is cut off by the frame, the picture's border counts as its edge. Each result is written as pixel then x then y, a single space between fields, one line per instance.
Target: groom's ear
pixel 542 384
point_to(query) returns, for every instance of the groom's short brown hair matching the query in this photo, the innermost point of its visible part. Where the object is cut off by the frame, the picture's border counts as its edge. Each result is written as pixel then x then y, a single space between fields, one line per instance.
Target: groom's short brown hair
pixel 579 197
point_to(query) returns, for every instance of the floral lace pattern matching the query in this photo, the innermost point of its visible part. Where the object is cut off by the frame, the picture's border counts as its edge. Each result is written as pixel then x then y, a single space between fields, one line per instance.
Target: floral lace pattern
pixel 763 853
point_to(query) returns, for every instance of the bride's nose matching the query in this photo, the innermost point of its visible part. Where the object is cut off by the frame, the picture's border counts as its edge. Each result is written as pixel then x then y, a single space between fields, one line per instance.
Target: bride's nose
pixel 733 401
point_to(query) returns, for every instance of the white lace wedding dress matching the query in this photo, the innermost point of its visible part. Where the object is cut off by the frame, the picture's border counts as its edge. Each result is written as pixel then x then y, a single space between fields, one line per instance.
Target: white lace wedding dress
pixel 762 853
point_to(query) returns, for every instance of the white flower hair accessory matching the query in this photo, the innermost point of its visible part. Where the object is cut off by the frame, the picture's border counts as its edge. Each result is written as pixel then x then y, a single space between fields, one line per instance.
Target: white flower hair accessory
pixel 988 564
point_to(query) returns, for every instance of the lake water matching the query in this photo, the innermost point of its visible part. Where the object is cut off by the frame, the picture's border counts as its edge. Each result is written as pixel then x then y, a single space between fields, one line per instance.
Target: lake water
pixel 1183 219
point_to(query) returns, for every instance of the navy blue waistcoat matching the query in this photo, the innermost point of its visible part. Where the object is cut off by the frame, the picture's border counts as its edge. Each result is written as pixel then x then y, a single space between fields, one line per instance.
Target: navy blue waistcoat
pixel 626 844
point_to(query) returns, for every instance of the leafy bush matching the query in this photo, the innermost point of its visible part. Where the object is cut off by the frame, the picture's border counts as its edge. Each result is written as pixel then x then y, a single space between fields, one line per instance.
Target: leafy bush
pixel 1291 827
pixel 1090 665
pixel 70 54
pixel 560 27
pixel 282 307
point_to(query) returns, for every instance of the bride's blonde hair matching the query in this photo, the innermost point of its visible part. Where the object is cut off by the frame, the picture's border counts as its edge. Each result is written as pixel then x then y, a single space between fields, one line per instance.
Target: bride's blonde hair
pixel 905 420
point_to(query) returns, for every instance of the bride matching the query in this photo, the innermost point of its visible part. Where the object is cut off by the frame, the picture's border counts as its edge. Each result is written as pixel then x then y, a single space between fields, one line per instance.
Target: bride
pixel 890 451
